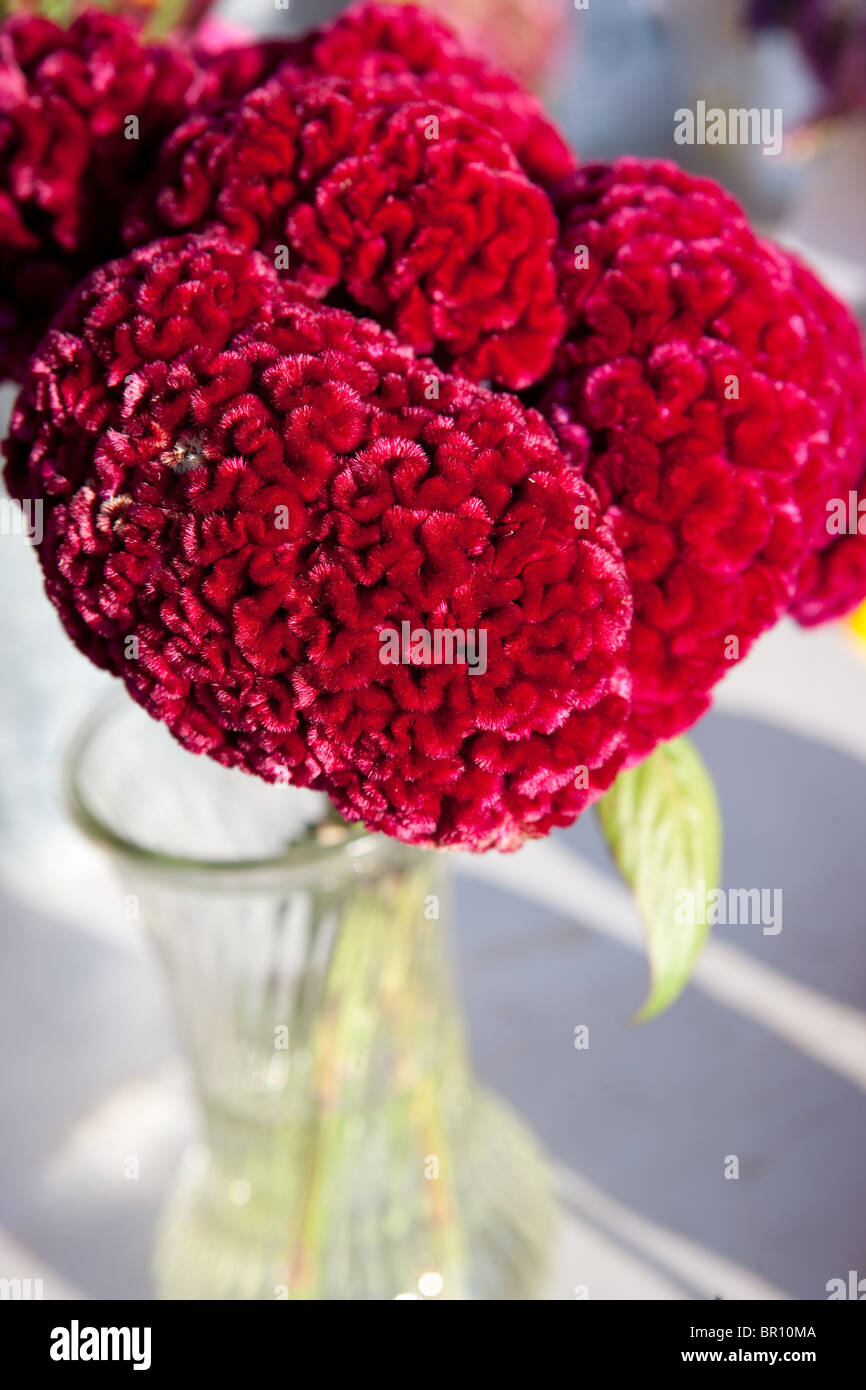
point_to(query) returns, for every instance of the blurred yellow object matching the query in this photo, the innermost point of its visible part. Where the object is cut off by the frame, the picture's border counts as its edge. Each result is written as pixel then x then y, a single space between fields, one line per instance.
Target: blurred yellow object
pixel 857 624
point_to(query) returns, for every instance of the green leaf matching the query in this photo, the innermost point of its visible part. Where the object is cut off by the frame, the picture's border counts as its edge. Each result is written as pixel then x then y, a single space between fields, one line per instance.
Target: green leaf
pixel 661 821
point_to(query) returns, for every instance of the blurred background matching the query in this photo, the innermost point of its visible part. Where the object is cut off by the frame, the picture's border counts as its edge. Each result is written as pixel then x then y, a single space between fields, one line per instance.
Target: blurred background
pixel 764 1058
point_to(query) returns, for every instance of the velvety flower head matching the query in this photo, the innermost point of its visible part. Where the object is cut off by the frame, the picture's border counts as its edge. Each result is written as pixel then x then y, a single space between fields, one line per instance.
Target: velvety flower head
pixel 833 578
pixel 409 210
pixel 66 162
pixel 233 66
pixel 249 498
pixel 377 42
pixel 701 392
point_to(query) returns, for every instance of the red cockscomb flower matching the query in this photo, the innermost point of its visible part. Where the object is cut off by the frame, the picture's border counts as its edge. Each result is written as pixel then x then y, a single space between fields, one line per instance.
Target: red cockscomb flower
pixel 233 68
pixel 247 496
pixel 417 212
pixel 377 42
pixel 833 579
pixel 700 392
pixel 83 111
pixel 65 159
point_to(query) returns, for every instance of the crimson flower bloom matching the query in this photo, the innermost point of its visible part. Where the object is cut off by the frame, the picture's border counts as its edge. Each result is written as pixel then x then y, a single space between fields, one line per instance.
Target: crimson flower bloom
pixel 418 213
pixel 83 111
pixel 247 494
pixel 282 502
pixel 380 43
pixel 712 394
pixel 68 154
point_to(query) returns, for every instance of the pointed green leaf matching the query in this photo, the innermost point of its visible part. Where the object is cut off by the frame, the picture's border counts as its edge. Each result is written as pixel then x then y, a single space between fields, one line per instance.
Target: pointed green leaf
pixel 661 821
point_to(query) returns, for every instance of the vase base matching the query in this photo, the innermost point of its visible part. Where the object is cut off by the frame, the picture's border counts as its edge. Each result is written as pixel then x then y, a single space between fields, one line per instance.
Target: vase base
pixel 481 1230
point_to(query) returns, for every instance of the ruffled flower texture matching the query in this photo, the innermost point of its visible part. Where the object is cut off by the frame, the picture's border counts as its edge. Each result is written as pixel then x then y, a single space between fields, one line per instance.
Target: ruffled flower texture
pixel 833 579
pixel 291 496
pixel 712 393
pixel 247 495
pixel 386 43
pixel 83 111
pixel 408 210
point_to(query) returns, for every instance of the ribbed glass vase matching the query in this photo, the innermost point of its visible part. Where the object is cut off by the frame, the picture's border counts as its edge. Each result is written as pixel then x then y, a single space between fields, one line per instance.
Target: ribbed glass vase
pixel 348 1152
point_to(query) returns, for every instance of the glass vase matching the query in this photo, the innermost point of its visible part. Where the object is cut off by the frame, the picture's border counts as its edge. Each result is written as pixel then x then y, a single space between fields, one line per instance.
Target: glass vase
pixel 347 1151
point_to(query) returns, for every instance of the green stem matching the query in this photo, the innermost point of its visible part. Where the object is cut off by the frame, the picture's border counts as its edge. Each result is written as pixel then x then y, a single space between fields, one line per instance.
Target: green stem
pixel 379 1017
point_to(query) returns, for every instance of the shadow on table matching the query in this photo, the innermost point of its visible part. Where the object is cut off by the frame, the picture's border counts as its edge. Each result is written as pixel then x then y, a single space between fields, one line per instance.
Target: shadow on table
pixel 649 1113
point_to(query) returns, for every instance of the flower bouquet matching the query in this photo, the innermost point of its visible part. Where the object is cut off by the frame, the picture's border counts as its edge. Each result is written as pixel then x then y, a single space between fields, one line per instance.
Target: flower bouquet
pixel 386 451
